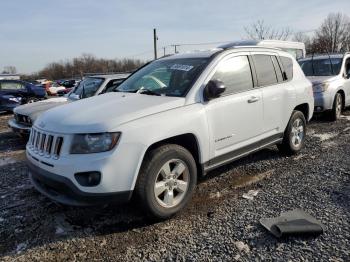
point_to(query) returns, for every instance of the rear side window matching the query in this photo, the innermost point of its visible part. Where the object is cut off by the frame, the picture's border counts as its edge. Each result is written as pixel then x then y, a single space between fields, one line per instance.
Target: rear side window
pixel 287 66
pixel 265 70
pixel 236 74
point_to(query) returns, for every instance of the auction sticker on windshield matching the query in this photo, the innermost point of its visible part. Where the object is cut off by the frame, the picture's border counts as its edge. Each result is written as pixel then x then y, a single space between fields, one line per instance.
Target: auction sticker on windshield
pixel 181 67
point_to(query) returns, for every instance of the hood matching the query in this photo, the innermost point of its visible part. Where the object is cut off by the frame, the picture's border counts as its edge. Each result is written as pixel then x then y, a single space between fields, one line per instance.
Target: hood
pixel 33 110
pixel 104 112
pixel 315 80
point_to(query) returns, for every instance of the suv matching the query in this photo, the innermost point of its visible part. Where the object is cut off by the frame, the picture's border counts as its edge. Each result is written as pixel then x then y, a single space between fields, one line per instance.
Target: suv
pixel 330 77
pixel 15 92
pixel 172 120
pixel 24 116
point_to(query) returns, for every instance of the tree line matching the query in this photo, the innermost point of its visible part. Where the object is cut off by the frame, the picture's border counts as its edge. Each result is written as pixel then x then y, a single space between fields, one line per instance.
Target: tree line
pixel 84 65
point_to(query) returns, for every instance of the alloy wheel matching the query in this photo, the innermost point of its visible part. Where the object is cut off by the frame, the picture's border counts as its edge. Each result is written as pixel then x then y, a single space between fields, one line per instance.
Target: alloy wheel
pixel 172 183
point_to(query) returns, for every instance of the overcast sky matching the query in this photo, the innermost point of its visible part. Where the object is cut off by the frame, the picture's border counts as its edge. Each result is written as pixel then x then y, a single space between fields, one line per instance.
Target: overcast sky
pixel 36 32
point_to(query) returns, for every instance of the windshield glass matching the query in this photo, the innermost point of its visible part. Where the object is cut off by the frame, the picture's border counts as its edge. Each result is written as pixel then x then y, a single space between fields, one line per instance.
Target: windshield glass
pixel 321 67
pixel 170 77
pixel 86 88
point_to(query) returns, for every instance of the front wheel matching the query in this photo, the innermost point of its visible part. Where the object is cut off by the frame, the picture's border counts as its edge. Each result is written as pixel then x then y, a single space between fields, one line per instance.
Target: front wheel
pixel 294 135
pixel 166 181
pixel 337 107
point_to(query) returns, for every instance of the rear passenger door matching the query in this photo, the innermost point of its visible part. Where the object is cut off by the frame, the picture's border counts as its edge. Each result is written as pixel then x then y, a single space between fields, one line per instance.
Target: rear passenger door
pixel 277 92
pixel 235 118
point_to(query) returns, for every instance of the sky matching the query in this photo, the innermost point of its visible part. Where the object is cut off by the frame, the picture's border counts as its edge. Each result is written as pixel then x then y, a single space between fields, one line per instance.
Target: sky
pixel 36 32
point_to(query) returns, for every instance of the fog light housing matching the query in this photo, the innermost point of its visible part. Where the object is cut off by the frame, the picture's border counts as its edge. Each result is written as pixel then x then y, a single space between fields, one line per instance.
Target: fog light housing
pixel 88 179
pixel 319 108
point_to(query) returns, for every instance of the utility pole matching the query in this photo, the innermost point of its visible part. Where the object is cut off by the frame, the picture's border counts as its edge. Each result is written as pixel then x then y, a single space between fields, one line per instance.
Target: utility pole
pixel 155 38
pixel 175 46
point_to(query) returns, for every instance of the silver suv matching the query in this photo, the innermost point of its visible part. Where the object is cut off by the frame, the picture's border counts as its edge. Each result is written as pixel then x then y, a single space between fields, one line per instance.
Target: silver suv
pixel 330 77
pixel 173 120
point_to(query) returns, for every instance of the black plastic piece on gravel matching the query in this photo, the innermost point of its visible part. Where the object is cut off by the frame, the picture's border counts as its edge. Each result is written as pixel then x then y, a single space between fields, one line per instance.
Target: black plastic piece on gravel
pixel 296 222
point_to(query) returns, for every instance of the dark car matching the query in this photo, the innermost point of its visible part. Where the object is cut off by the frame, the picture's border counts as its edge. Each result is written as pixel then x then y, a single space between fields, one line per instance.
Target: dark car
pixel 15 92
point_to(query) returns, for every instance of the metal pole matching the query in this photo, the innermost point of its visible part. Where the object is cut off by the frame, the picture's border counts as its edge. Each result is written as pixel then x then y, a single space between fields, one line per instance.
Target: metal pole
pixel 155 43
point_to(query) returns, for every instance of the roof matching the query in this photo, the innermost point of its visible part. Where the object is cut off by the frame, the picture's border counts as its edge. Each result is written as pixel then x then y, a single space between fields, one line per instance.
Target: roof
pixel 115 76
pixel 193 54
pixel 322 56
pixel 9 74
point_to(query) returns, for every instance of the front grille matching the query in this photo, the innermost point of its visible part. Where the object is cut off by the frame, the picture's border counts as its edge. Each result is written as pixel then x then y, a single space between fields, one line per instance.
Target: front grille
pixel 22 119
pixel 45 144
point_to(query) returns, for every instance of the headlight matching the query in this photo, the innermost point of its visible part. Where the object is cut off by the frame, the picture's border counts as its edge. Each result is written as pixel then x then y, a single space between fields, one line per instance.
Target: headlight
pixel 12 98
pixel 94 143
pixel 320 87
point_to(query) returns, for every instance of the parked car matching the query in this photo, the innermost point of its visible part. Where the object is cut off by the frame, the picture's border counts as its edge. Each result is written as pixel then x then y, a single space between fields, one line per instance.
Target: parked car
pixel 24 116
pixel 53 88
pixel 330 76
pixel 15 92
pixel 170 122
pixel 68 89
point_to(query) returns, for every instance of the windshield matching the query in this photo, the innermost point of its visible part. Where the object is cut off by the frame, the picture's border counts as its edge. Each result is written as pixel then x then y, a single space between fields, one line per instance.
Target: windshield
pixel 86 88
pixel 321 67
pixel 170 77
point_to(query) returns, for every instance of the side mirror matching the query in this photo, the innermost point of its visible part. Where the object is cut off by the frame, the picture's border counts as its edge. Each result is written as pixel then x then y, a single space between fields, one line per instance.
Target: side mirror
pixel 213 89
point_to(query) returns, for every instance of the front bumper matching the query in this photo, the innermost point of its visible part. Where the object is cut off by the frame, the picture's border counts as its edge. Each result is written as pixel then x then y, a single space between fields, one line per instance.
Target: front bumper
pixel 61 189
pixel 323 102
pixel 19 128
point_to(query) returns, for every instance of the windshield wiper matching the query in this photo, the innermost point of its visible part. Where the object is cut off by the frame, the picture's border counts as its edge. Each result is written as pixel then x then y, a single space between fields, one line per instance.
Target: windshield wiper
pixel 147 92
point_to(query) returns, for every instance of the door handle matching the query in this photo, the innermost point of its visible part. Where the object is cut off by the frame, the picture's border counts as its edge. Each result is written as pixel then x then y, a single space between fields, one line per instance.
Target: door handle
pixel 253 99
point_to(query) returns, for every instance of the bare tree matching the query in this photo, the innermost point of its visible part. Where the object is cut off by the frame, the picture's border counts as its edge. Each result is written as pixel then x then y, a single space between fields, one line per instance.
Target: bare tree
pixel 260 31
pixel 333 34
pixel 304 38
pixel 9 70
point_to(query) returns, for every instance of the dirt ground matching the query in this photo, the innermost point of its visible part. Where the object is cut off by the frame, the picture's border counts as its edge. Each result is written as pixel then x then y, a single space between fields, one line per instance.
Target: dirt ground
pixel 218 224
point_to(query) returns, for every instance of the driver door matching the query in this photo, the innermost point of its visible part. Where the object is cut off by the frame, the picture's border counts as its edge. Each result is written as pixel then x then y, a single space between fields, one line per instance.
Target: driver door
pixel 235 118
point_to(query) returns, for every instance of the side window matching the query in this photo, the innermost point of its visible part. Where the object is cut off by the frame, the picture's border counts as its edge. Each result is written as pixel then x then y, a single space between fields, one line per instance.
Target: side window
pixel 265 70
pixel 12 85
pixel 236 74
pixel 278 69
pixel 347 67
pixel 287 66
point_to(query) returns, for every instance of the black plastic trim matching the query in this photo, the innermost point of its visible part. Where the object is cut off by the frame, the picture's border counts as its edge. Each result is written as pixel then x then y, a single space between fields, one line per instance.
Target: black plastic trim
pixel 62 189
pixel 241 152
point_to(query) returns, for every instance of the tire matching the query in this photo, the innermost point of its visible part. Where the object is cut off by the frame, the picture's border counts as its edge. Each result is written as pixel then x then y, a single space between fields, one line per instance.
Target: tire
pixel 337 107
pixel 32 100
pixel 294 135
pixel 160 203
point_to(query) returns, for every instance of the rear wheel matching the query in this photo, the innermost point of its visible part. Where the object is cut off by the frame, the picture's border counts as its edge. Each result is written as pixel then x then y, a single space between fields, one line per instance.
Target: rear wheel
pixel 166 181
pixel 294 135
pixel 337 107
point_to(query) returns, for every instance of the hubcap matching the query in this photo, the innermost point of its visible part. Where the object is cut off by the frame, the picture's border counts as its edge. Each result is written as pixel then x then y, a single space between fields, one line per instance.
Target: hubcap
pixel 338 106
pixel 171 183
pixel 297 132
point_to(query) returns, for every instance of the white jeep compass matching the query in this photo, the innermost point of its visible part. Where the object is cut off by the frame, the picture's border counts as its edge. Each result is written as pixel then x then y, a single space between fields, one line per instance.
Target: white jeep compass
pixel 171 121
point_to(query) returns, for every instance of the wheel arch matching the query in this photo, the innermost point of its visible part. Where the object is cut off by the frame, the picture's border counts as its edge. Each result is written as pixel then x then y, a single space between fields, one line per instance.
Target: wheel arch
pixel 187 140
pixel 304 108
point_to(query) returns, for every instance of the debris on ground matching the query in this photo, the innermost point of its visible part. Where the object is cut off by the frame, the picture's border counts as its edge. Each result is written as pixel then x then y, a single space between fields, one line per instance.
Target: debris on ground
pixel 295 222
pixel 250 194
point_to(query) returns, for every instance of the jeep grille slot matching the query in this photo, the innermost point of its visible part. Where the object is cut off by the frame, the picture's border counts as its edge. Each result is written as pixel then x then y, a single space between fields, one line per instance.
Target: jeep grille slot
pixel 45 144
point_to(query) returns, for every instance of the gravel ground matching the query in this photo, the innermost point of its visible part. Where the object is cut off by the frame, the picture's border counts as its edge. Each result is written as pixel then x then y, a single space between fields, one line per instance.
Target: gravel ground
pixel 218 224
